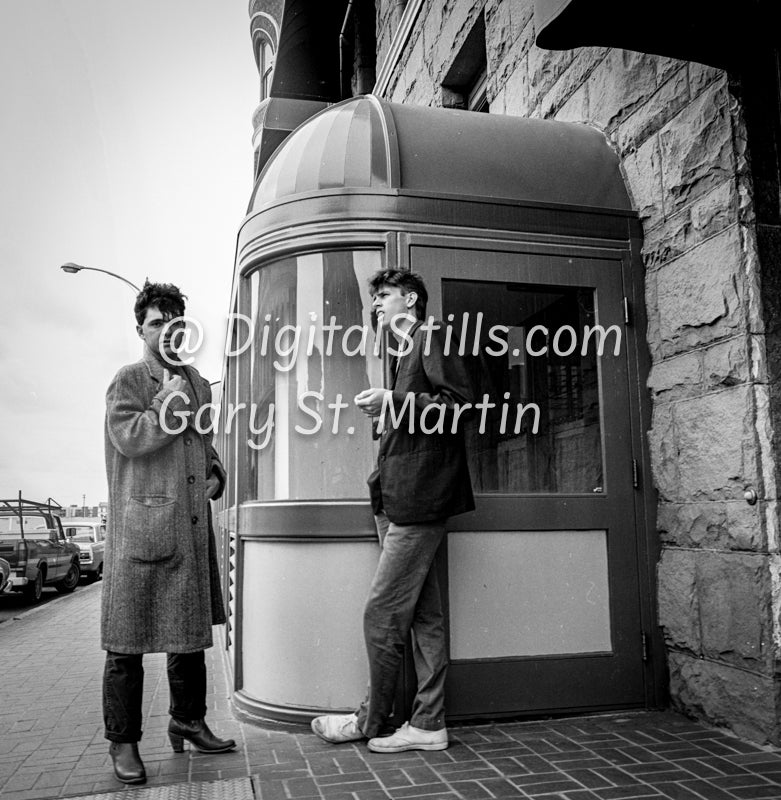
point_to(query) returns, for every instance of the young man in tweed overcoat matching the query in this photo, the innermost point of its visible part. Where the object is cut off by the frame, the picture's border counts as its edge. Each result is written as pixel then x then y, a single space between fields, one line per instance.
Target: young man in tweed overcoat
pixel 161 592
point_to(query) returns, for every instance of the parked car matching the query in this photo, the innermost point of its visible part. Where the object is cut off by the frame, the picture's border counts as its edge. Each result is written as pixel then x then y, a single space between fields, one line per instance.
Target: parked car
pixel 5 576
pixel 90 536
pixel 34 544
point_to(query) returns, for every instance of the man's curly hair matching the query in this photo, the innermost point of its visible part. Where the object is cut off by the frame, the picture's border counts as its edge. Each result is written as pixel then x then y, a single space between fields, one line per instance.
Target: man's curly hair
pixel 164 296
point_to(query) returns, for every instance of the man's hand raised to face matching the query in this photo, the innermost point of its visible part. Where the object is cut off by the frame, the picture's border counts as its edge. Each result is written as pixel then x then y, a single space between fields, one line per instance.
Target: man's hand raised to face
pixel 173 383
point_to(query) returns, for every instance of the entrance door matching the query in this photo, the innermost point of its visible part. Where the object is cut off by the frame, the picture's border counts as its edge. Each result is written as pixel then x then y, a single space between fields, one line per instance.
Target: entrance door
pixel 543 589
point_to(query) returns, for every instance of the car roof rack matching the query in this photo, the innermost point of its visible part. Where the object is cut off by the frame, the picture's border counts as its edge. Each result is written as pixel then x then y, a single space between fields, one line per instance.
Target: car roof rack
pixel 19 507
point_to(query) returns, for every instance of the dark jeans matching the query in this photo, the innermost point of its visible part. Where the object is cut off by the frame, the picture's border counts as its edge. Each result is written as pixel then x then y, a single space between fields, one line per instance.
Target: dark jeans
pixel 123 689
pixel 404 598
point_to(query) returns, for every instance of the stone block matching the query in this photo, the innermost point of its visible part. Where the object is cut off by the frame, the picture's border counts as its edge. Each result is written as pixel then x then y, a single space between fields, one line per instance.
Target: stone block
pixel 622 82
pixel 652 315
pixel 498 100
pixel 691 524
pixel 651 116
pixel 455 24
pixel 700 294
pixel 419 93
pixel 575 108
pixel 733 525
pixel 518 59
pixel 642 170
pixel 414 57
pixel 431 25
pixel 678 612
pixel 701 76
pixel 397 88
pixel 665 67
pixel 516 92
pixel 715 442
pixel 525 40
pixel 747 525
pixel 545 68
pixel 726 363
pixel 676 377
pixel 746 702
pixel 707 216
pixel 716 210
pixel 418 88
pixel 521 15
pixel 384 31
pixel 766 426
pixel 696 148
pixel 499 33
pixel 734 594
pixel 664 452
pixel 667 240
pixel 573 80
pixel 506 49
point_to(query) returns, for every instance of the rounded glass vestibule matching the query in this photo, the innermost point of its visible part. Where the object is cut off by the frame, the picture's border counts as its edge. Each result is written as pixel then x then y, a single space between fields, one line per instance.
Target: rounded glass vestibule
pixel 524 234
pixel 313 350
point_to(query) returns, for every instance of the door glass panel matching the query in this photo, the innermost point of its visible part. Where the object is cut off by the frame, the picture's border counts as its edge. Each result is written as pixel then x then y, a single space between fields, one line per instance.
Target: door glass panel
pixel 532 352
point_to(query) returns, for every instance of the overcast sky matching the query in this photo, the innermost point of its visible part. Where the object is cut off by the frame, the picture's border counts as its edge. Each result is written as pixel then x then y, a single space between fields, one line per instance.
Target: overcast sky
pixel 125 144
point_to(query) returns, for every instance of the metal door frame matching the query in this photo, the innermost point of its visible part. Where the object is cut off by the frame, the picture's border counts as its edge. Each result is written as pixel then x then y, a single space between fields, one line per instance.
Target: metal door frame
pixel 626 253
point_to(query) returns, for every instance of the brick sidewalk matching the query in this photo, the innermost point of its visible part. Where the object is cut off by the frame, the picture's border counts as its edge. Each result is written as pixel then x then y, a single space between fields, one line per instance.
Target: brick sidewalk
pixel 52 745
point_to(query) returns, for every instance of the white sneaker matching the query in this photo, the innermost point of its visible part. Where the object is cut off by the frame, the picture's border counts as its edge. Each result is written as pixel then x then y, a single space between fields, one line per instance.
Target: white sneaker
pixel 337 728
pixel 408 737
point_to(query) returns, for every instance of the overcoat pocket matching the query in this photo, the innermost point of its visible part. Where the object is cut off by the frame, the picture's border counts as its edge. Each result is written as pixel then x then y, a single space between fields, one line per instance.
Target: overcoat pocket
pixel 150 528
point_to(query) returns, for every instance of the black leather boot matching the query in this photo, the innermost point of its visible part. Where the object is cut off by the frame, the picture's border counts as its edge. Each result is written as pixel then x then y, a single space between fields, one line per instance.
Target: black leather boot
pixel 198 734
pixel 128 766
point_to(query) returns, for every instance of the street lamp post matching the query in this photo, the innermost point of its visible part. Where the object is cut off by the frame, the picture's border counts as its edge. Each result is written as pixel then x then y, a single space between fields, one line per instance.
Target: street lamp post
pixel 74 268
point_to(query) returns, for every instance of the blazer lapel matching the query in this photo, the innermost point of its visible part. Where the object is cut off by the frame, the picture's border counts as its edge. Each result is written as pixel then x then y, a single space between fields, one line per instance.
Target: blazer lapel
pixel 396 361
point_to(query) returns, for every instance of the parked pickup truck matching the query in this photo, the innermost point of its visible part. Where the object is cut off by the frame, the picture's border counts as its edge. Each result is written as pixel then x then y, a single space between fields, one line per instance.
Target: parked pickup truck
pixel 34 544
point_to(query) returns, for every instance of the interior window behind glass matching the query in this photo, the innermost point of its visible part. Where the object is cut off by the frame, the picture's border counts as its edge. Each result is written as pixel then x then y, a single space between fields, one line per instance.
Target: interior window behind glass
pixel 559 390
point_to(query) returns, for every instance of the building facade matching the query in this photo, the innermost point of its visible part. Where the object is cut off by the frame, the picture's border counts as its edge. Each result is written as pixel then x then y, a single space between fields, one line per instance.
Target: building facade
pixel 690 113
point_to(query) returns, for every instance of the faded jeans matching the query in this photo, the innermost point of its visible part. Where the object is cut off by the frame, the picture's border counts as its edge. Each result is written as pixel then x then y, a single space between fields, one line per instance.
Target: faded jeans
pixel 123 688
pixel 404 597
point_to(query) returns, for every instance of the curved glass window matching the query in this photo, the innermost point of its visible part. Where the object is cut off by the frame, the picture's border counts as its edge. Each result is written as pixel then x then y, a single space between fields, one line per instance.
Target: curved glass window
pixel 265 68
pixel 312 350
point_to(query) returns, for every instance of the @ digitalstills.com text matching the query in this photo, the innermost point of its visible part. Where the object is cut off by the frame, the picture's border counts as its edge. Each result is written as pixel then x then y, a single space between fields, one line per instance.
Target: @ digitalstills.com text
pixel 318 339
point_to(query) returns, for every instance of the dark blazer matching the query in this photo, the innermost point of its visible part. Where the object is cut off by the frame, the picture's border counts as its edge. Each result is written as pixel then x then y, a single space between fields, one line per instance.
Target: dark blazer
pixel 420 476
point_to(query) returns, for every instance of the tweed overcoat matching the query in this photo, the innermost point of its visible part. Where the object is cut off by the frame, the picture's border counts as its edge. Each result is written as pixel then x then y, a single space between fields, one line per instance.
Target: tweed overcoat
pixel 423 476
pixel 161 589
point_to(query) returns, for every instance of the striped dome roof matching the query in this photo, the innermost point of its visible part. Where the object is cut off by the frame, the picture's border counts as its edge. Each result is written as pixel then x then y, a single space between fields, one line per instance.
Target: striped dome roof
pixel 344 146
pixel 367 143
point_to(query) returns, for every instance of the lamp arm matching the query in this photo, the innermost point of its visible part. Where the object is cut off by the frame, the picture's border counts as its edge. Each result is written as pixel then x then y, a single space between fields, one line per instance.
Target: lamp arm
pixel 70 267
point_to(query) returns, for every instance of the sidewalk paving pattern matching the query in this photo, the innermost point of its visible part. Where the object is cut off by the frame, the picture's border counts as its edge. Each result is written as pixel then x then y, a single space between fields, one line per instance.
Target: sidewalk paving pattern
pixel 52 745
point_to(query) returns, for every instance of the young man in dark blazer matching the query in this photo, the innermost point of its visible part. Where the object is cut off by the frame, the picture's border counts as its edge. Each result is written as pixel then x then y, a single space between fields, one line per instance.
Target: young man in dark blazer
pixel 421 479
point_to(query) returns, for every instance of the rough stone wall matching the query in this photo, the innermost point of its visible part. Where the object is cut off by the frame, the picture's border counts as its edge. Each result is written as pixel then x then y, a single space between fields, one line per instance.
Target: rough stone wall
pixel 680 137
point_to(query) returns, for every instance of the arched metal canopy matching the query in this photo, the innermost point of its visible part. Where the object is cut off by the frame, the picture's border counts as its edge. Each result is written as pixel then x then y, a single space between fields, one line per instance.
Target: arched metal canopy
pixel 369 144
